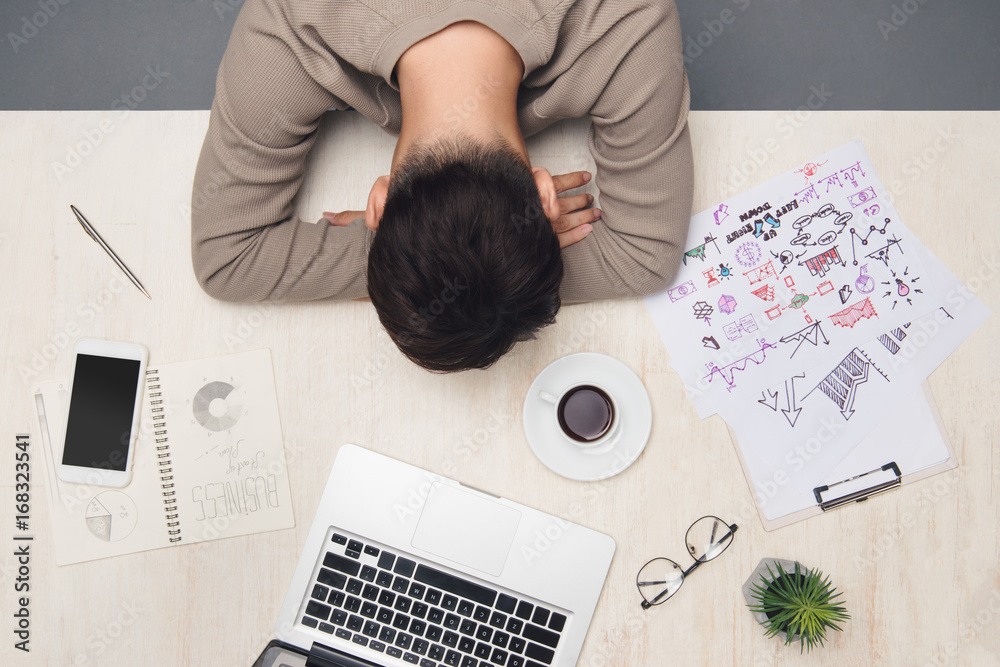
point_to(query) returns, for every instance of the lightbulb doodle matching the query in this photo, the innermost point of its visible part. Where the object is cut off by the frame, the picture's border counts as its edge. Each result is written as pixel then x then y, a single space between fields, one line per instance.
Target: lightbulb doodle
pixel 903 287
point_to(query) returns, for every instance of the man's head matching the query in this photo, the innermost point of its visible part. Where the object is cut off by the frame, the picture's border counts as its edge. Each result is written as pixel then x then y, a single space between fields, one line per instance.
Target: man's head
pixel 465 262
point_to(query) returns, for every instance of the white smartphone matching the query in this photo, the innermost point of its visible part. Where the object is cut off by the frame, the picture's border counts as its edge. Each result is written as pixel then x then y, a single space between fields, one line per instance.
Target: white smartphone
pixel 102 418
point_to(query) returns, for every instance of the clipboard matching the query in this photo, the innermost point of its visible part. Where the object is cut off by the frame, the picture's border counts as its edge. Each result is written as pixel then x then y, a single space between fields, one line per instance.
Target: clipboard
pixel 862 475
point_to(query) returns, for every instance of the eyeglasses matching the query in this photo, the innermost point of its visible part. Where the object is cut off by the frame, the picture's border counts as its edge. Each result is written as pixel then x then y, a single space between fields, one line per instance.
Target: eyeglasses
pixel 660 578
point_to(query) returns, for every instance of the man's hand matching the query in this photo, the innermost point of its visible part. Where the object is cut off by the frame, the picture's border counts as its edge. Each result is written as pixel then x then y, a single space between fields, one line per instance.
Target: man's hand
pixel 572 222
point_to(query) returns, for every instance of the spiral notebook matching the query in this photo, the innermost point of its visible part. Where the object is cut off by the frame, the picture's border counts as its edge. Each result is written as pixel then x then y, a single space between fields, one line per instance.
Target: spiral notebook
pixel 209 463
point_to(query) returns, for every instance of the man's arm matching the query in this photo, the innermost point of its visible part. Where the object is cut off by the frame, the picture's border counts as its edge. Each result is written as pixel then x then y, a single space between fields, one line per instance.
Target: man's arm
pixel 246 242
pixel 642 149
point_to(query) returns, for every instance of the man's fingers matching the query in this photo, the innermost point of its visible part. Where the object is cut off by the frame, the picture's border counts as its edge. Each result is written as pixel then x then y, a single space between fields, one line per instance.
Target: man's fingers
pixel 574 235
pixel 575 179
pixel 574 203
pixel 573 220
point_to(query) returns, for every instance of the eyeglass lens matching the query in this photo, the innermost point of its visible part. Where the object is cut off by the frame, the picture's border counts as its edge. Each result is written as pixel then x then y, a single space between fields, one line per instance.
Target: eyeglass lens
pixel 659 579
pixel 708 537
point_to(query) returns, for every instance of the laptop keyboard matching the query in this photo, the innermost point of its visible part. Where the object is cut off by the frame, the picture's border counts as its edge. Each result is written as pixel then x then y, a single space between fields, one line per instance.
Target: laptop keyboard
pixel 408 610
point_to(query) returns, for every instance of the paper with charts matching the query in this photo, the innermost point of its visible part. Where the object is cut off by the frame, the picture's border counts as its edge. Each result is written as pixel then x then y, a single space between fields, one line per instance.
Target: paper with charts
pixel 789 275
pixel 209 463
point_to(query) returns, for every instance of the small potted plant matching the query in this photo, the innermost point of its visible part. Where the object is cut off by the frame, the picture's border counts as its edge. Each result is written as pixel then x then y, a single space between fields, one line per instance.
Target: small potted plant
pixel 791 601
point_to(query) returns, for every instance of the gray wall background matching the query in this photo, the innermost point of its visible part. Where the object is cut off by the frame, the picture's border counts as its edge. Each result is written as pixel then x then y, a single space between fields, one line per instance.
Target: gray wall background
pixel 740 54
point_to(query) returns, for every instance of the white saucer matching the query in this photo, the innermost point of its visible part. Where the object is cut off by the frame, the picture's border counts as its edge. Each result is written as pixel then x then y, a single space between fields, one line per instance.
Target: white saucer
pixel 553 448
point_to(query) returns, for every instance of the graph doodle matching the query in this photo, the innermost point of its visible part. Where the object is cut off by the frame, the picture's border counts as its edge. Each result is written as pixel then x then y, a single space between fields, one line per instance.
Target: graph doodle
pixel 748 253
pixel 851 171
pixel 845 293
pixel 841 384
pixel 766 293
pixel 849 316
pixel 810 334
pixel 727 304
pixel 864 282
pixel 728 372
pixel 864 239
pixel 721 214
pixel 882 254
pixel 830 181
pixel 819 264
pixel 710 342
pixel 804 196
pixel 710 276
pixel 903 288
pixel 863 197
pixel 680 291
pixel 702 310
pixel 762 272
pixel 889 343
pixel 699 251
pixel 735 330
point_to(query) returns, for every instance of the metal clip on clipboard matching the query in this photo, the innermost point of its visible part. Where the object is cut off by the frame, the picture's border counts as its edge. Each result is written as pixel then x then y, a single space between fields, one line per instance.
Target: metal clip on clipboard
pixel 852 494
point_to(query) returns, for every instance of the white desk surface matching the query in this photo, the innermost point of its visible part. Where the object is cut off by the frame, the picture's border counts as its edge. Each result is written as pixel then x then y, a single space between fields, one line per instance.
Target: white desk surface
pixel 923 591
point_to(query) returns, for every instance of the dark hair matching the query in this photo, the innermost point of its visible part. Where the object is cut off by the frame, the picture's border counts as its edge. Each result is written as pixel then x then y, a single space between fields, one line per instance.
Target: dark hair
pixel 464 263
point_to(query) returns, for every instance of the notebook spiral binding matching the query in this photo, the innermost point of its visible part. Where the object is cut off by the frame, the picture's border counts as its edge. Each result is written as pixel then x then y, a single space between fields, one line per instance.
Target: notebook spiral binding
pixel 163 455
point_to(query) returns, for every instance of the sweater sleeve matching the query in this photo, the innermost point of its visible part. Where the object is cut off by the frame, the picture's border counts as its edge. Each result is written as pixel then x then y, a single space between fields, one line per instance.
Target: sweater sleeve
pixel 645 173
pixel 246 242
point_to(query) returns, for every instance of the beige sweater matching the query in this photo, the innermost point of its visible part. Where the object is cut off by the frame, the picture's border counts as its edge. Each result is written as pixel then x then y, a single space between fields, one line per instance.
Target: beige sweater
pixel 289 61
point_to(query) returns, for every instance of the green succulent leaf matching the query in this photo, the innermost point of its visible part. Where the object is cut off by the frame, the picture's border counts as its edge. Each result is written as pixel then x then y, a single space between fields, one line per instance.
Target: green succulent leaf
pixel 801 604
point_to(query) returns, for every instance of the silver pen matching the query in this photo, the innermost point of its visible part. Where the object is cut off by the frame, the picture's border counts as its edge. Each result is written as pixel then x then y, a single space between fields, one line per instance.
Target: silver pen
pixel 111 253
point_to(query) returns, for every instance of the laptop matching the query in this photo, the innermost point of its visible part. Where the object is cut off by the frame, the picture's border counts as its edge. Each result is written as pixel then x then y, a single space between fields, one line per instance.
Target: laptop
pixel 406 567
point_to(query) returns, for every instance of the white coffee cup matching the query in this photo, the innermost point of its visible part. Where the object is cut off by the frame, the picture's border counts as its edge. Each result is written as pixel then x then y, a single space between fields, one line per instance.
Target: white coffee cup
pixel 587 416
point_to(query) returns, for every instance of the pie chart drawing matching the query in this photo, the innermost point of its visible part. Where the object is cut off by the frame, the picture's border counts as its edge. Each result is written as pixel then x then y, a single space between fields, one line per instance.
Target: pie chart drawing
pixel 111 516
pixel 217 406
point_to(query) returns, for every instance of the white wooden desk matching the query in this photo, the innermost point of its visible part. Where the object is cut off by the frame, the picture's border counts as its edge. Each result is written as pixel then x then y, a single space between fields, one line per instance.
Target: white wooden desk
pixel 920 592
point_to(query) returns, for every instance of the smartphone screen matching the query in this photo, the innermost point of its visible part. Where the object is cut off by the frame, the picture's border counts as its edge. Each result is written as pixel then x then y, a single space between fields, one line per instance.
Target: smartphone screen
pixel 101 406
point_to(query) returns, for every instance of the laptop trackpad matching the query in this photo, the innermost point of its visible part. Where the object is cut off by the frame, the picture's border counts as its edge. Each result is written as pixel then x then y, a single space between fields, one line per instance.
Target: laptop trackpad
pixel 466 528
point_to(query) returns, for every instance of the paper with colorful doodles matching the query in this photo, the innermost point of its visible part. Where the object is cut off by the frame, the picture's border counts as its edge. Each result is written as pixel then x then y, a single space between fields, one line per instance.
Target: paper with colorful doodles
pixel 791 274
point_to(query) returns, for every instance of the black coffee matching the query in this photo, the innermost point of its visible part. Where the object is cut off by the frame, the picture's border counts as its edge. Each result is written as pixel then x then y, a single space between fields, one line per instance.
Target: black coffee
pixel 585 413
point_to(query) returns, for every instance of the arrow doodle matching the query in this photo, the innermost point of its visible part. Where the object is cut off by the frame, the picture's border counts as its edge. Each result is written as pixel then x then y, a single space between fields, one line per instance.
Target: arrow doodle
pixel 769 399
pixel 792 413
